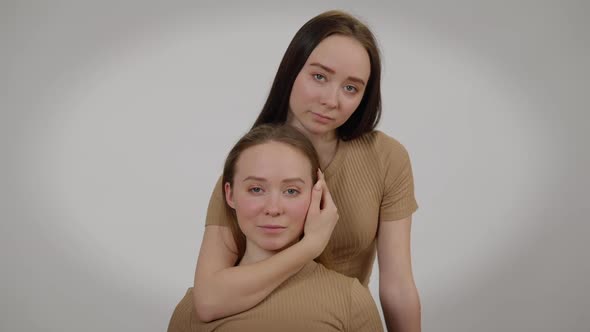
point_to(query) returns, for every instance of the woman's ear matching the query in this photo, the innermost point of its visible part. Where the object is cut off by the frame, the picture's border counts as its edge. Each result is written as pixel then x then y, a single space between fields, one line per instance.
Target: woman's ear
pixel 229 195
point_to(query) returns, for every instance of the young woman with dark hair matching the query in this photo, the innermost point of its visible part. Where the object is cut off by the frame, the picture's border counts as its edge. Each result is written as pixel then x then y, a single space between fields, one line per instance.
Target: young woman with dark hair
pixel 328 87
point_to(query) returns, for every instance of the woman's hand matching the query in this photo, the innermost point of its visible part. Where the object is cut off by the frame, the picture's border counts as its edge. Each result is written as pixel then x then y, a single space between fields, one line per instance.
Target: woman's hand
pixel 321 217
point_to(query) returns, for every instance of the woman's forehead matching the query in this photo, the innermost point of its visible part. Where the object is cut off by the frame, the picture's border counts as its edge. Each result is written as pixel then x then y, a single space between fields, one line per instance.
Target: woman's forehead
pixel 273 160
pixel 342 54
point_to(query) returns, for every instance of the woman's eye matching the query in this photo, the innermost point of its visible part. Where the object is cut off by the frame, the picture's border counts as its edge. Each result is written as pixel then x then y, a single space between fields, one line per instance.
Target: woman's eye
pixel 350 88
pixel 319 77
pixel 292 192
pixel 255 190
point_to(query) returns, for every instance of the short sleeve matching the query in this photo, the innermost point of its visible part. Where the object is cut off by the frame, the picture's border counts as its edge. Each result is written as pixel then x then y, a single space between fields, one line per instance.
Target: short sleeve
pixel 364 315
pixel 183 316
pixel 398 200
pixel 218 213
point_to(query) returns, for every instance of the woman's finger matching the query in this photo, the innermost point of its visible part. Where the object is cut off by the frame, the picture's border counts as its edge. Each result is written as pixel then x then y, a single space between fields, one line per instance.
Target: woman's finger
pixel 316 197
pixel 326 196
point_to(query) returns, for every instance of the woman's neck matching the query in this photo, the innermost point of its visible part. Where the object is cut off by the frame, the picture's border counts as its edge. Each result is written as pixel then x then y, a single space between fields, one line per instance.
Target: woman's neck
pixel 325 144
pixel 255 254
pixel 326 150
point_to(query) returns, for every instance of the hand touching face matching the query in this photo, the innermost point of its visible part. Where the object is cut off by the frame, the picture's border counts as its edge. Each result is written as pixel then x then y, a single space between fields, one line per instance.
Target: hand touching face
pixel 271 195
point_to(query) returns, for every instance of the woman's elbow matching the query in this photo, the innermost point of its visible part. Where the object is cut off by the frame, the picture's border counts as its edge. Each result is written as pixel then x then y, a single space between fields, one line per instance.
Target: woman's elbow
pixel 405 293
pixel 204 309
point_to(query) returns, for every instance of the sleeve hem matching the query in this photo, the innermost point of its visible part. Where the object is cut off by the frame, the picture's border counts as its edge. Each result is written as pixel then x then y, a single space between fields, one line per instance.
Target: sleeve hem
pixel 397 215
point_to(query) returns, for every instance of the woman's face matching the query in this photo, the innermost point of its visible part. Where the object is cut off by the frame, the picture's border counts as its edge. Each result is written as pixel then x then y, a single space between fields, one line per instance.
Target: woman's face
pixel 330 86
pixel 271 195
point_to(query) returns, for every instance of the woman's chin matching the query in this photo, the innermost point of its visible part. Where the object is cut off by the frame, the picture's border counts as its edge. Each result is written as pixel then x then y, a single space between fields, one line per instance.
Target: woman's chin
pixel 276 246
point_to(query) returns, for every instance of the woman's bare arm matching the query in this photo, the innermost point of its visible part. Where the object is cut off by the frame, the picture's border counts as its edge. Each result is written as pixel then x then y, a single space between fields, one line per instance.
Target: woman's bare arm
pixel 397 291
pixel 222 289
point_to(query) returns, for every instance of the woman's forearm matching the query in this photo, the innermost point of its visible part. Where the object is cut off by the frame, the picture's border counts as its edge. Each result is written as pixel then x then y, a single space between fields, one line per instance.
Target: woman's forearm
pixel 235 289
pixel 401 309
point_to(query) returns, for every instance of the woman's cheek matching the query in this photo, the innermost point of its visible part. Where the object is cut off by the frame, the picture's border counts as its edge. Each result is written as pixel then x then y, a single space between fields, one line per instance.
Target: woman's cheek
pixel 300 208
pixel 249 207
pixel 349 107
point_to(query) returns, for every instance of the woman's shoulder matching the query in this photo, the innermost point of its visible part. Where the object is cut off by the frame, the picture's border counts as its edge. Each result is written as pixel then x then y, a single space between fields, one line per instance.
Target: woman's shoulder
pixel 333 278
pixel 350 288
pixel 381 143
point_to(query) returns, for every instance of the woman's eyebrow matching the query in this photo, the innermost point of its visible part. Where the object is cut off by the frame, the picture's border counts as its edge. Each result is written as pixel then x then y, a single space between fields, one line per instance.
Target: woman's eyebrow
pixel 254 178
pixel 294 180
pixel 260 179
pixel 331 71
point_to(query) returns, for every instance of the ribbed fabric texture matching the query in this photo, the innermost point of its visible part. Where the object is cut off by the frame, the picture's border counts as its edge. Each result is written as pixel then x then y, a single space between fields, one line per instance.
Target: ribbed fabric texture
pixel 314 299
pixel 370 179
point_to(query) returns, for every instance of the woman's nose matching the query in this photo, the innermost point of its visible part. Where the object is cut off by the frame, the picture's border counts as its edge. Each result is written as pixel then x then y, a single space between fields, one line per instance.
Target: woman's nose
pixel 273 206
pixel 330 97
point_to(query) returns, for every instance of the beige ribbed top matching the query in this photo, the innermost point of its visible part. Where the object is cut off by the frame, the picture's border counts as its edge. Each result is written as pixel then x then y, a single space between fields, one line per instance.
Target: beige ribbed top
pixel 370 179
pixel 314 299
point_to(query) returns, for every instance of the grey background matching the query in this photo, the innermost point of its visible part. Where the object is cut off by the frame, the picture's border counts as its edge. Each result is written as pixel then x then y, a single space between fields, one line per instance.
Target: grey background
pixel 116 118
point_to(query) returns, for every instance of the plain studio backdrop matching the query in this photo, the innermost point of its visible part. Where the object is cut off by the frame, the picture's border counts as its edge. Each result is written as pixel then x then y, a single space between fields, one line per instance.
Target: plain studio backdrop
pixel 116 118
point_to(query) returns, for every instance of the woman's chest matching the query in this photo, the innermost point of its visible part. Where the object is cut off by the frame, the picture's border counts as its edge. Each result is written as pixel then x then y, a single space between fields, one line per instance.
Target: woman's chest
pixel 357 196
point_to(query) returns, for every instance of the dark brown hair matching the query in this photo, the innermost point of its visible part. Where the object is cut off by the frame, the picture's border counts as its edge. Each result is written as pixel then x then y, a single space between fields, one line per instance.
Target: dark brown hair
pixel 263 134
pixel 367 115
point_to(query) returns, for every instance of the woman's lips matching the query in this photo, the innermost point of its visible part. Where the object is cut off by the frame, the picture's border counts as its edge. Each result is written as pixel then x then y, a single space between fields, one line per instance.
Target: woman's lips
pixel 272 229
pixel 321 118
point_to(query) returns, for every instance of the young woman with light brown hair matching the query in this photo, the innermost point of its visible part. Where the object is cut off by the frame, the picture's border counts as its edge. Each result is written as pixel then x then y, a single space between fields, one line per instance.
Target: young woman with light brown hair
pixel 270 181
